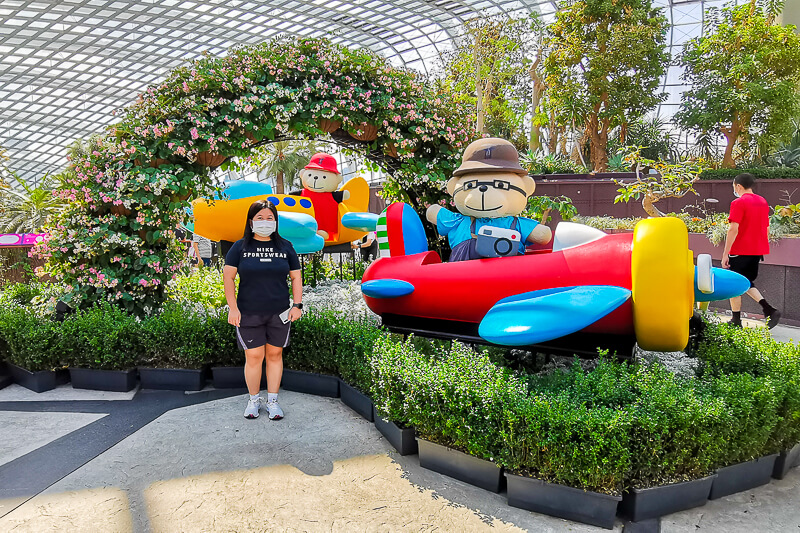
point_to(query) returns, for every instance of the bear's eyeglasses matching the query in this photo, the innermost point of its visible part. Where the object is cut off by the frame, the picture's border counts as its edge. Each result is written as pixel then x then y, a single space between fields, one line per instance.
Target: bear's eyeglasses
pixel 502 185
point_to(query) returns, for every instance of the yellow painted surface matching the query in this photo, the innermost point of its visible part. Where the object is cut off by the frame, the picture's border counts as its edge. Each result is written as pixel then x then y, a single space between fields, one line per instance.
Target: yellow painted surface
pixel 357 203
pixel 223 220
pixel 662 281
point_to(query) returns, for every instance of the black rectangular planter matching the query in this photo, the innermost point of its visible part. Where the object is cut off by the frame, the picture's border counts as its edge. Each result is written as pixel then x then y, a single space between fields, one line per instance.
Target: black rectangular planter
pixel 562 501
pixel 742 476
pixel 232 377
pixel 106 380
pixel 41 381
pixel 644 504
pixel 308 383
pixel 172 379
pixel 5 377
pixel 786 461
pixel 402 439
pixel 459 465
pixel 357 401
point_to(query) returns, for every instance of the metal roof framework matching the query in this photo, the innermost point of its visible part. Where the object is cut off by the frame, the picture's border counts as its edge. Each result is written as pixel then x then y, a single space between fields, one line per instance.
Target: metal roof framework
pixel 67 65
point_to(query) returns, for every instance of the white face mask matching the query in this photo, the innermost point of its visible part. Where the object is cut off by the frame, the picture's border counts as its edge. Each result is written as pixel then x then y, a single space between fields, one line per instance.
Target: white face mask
pixel 736 193
pixel 264 228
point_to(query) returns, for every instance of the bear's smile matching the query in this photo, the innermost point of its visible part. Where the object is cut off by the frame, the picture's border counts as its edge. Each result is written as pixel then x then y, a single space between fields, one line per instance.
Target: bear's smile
pixel 487 209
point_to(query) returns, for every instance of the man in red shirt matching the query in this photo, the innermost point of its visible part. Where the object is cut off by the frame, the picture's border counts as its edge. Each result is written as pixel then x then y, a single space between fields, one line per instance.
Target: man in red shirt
pixel 746 244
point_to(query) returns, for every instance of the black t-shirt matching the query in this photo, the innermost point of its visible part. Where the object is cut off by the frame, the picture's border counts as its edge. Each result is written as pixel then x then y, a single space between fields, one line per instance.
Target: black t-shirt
pixel 262 270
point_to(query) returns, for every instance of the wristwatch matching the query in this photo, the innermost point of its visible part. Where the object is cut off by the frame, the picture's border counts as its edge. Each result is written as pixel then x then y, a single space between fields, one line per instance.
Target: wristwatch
pixel 298 305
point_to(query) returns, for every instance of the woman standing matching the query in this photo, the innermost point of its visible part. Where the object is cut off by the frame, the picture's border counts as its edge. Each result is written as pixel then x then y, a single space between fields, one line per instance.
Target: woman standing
pixel 262 259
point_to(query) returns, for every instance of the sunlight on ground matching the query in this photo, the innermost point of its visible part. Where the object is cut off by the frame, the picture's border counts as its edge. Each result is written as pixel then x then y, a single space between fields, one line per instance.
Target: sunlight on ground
pixel 363 493
pixel 87 511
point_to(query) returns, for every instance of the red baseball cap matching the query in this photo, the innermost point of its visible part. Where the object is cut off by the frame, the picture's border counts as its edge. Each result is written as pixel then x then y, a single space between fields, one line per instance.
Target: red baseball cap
pixel 323 161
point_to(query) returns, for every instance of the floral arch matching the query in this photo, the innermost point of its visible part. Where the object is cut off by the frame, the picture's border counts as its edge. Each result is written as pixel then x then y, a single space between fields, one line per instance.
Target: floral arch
pixel 127 191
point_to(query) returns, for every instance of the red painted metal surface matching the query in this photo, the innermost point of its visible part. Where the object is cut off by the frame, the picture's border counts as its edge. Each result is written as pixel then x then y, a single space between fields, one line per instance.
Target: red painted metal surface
pixel 465 291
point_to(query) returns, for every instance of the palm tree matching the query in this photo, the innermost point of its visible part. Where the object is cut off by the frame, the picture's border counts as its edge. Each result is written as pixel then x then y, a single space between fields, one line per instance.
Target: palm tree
pixel 284 160
pixel 26 209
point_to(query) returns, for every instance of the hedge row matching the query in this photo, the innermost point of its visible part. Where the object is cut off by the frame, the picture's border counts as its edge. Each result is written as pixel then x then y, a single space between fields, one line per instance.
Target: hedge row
pixel 619 425
pixel 760 173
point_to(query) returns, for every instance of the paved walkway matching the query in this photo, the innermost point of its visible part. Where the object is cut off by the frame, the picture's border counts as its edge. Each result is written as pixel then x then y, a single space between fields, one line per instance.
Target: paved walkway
pixel 73 460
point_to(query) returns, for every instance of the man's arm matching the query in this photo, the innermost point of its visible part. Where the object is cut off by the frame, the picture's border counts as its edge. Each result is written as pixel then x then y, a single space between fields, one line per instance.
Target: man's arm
pixel 733 231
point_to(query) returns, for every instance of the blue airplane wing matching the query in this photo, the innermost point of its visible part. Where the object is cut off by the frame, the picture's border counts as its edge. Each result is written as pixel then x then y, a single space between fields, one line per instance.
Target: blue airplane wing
pixel 360 221
pixel 301 230
pixel 544 315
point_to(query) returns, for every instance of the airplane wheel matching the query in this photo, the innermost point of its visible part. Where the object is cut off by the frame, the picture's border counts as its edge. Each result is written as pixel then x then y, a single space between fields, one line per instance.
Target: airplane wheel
pixel 662 282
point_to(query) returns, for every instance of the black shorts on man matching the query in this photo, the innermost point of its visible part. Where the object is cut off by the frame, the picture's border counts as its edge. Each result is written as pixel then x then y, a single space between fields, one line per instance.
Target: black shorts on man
pixel 255 331
pixel 746 265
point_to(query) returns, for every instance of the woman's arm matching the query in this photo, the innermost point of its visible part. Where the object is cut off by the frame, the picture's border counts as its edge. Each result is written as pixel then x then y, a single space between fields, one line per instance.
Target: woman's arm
pixel 297 293
pixel 229 282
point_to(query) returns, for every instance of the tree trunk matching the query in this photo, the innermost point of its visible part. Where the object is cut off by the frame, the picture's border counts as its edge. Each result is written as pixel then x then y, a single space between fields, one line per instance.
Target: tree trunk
pixel 648 203
pixel 279 182
pixel 732 135
pixel 598 142
pixel 554 130
pixel 535 143
pixel 481 112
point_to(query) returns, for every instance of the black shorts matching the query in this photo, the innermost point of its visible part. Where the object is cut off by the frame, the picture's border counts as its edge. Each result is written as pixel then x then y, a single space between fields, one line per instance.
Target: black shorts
pixel 255 331
pixel 746 265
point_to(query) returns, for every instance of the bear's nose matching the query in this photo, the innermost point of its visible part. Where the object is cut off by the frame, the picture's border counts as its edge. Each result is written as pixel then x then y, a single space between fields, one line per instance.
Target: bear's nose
pixel 483 188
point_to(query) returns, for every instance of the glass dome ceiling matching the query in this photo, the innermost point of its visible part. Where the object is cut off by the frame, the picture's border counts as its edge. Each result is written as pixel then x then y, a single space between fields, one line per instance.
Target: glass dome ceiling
pixel 66 65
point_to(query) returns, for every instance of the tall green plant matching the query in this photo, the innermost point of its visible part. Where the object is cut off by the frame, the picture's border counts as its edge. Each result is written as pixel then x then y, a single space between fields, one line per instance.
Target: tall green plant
pixel 744 73
pixel 283 160
pixel 488 70
pixel 604 65
pixel 25 208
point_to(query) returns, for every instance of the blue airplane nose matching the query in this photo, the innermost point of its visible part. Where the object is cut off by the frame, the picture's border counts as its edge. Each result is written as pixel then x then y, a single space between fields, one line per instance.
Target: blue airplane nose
pixel 727 284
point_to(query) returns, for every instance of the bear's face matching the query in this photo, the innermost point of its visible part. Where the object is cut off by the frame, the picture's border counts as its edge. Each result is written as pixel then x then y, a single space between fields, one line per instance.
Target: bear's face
pixel 491 194
pixel 320 180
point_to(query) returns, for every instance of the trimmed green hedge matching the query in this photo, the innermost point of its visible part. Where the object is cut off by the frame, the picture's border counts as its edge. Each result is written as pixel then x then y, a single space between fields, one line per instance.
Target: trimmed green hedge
pixel 616 426
pixel 106 337
pixel 760 173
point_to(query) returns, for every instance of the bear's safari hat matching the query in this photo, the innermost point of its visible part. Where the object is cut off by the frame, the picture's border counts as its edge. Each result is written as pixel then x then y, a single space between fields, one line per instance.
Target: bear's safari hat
pixel 490 155
pixel 323 161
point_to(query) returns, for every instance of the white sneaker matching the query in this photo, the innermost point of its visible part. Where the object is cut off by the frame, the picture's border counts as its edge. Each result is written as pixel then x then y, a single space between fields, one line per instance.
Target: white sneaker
pixel 275 411
pixel 252 408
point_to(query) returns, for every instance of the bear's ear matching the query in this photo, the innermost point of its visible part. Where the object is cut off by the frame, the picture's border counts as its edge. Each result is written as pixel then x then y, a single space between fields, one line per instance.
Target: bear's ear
pixel 528 184
pixel 452 184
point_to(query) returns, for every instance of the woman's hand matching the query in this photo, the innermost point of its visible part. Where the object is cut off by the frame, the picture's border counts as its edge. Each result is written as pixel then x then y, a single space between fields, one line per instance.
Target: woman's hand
pixel 295 314
pixel 234 316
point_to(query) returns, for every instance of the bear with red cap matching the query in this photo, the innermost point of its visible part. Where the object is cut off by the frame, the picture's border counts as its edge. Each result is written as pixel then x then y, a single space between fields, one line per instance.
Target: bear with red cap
pixel 321 180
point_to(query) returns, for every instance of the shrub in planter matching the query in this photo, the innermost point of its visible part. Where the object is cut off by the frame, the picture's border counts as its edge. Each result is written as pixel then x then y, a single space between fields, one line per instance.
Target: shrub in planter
pixel 31 341
pixel 563 441
pixel 175 338
pixel 354 345
pixel 102 337
pixel 221 340
pixel 725 350
pixel 751 403
pixel 678 433
pixel 312 344
pixel 457 400
pixel 392 377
